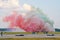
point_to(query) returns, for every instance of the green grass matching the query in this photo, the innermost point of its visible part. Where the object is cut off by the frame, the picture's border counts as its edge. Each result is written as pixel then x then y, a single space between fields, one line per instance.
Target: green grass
pixel 29 33
pixel 54 33
pixel 17 32
pixel 20 33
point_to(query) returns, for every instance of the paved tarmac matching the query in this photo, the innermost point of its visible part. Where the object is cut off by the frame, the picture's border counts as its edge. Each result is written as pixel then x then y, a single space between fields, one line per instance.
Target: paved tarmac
pixel 30 36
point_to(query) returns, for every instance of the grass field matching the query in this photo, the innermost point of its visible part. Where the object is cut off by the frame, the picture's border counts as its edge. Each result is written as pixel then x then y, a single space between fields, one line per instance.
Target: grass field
pixel 20 33
pixel 29 33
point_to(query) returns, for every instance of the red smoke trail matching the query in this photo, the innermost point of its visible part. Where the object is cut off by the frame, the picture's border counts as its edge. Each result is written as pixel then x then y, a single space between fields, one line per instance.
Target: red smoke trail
pixel 10 19
pixel 33 24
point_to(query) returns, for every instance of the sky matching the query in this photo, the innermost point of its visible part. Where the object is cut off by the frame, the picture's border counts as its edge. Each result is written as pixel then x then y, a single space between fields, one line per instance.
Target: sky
pixel 49 7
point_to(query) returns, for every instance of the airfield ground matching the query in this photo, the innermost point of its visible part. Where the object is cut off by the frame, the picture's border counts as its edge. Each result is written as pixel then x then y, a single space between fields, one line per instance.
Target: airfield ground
pixel 29 36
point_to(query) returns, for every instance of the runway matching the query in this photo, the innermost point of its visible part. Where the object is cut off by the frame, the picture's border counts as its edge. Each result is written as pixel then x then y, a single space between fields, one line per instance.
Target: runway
pixel 30 36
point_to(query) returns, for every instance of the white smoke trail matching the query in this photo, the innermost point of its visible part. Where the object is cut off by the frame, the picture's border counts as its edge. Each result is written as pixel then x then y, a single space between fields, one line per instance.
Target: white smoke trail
pixel 9 3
